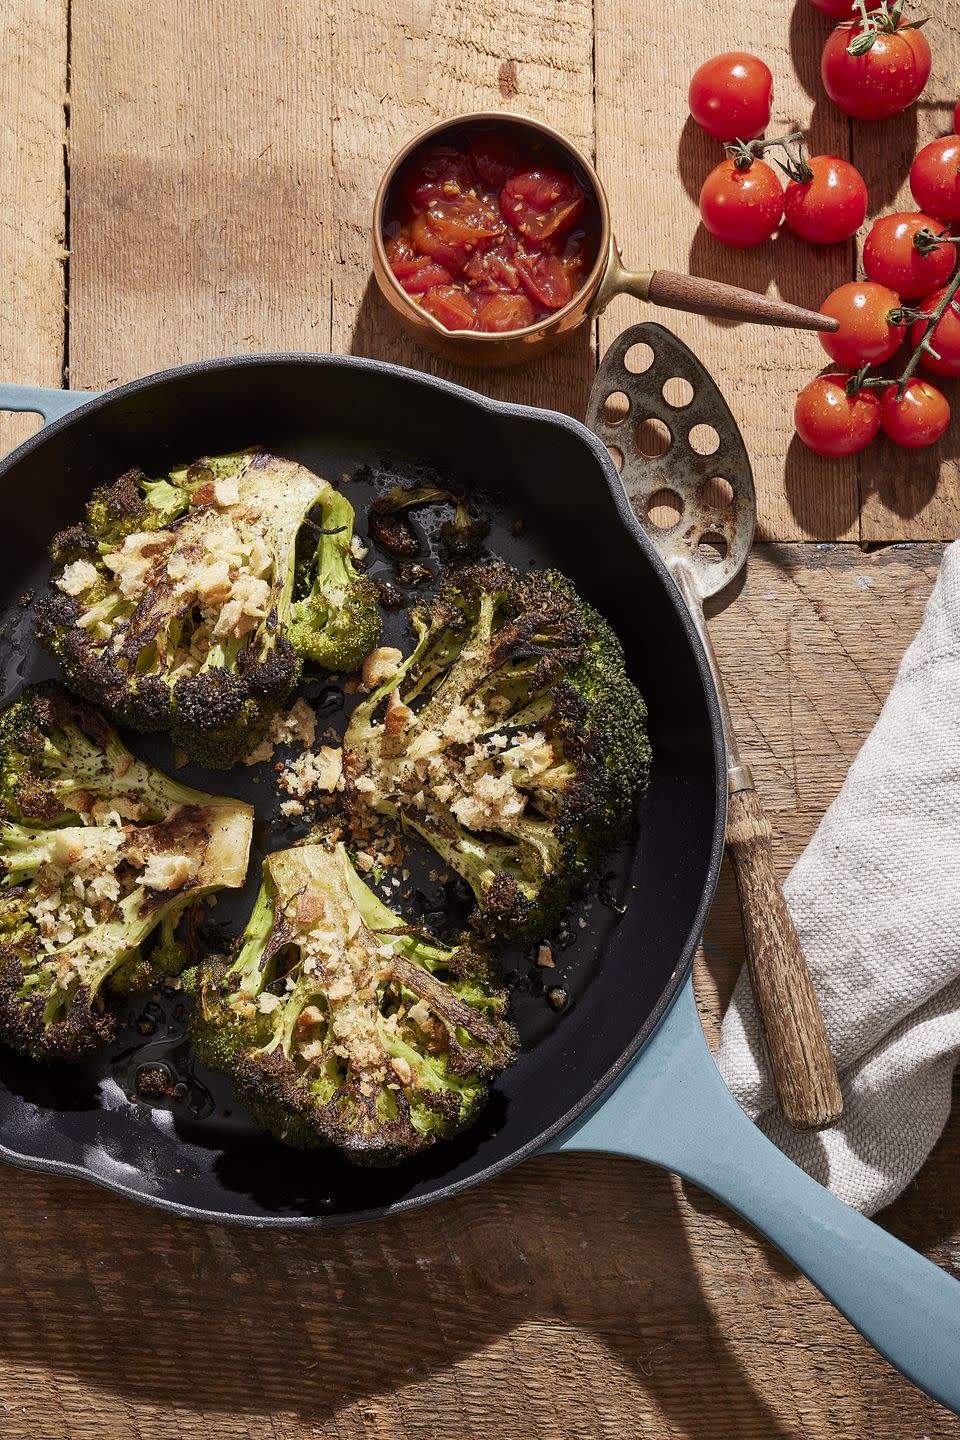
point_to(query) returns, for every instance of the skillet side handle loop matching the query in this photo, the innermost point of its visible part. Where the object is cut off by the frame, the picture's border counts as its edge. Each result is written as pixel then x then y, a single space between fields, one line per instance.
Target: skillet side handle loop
pixel 798 1051
pixel 673 1110
pixel 38 400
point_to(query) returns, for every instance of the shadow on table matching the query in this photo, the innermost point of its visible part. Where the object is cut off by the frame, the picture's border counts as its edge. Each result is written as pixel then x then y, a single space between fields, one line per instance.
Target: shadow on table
pixel 172 1314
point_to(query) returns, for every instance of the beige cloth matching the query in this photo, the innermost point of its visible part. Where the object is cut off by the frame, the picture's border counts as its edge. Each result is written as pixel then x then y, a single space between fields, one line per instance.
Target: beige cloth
pixel 876 900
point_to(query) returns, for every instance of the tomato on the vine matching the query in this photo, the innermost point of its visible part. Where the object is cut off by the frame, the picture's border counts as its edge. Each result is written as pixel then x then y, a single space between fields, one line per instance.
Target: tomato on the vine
pixel 935 178
pixel 892 258
pixel 919 418
pixel 888 74
pixel 944 337
pixel 741 207
pixel 831 422
pixel 831 205
pixel 837 9
pixel 730 96
pixel 866 335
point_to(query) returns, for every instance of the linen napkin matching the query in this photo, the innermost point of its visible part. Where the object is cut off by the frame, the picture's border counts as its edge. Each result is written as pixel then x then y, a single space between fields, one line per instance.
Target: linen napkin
pixel 876 900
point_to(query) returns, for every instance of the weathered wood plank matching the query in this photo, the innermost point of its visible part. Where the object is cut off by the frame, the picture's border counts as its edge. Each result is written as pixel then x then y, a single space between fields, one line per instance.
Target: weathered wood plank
pixel 33 80
pixel 200 183
pixel 577 1292
pixel 408 65
pixel 653 159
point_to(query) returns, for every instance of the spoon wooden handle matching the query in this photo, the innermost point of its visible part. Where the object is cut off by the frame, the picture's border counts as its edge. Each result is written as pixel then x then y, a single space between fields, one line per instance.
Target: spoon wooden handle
pixel 804 1074
pixel 710 297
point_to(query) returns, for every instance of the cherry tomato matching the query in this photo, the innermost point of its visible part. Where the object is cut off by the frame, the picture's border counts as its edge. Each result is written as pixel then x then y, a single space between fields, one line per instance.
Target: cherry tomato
pixel 730 96
pixel 831 206
pixel 919 418
pixel 882 81
pixel 419 273
pixel 545 279
pixel 494 158
pixel 494 269
pixel 450 230
pixel 891 258
pixel 541 203
pixel 838 9
pixel 935 178
pixel 956 119
pixel 504 312
pixel 451 307
pixel 436 171
pixel 866 336
pixel 741 207
pixel 830 422
pixel 945 336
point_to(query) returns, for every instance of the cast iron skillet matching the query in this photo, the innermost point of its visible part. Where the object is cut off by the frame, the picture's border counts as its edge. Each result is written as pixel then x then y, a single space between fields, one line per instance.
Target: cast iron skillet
pixel 624 1068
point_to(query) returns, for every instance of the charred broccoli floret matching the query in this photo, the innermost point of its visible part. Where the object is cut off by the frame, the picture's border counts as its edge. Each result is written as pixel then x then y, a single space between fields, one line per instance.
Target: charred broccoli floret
pixel 177 605
pixel 511 740
pixel 334 620
pixel 97 851
pixel 339 1025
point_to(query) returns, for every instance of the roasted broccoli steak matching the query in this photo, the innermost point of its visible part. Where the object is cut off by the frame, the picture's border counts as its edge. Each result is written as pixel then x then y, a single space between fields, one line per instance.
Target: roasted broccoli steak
pixel 189 603
pixel 340 1025
pixel 97 851
pixel 511 740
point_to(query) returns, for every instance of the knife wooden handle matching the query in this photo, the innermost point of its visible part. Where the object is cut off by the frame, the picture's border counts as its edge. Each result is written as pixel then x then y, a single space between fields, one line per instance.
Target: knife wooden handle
pixel 802 1067
pixel 710 297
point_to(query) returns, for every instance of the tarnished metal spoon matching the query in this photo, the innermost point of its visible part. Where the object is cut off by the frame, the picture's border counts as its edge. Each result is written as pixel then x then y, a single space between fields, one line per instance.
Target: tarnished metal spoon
pixel 704 549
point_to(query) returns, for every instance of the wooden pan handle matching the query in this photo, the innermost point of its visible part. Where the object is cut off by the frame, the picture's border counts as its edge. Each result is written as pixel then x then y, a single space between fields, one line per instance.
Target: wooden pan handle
pixel 709 297
pixel 804 1074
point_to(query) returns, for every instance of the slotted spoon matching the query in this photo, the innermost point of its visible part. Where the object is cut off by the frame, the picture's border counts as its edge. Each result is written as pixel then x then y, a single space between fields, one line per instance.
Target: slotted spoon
pixel 704 549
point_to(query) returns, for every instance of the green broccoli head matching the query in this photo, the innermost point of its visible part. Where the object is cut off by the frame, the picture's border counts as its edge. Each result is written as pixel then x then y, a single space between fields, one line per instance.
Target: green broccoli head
pixel 113 851
pixel 341 1026
pixel 511 740
pixel 176 605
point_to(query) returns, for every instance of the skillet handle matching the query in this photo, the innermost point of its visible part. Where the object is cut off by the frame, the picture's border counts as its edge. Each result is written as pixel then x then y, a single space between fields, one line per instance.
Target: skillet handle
pixel 673 1109
pixel 51 404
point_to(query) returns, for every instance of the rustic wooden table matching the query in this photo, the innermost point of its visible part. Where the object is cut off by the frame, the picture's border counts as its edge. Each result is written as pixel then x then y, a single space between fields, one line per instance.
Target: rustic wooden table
pixel 193 178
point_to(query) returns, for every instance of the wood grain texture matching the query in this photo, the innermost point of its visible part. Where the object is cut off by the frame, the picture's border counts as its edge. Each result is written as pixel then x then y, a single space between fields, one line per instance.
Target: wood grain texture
pixel 795 1037
pixel 33 89
pixel 575 1295
pixel 200 183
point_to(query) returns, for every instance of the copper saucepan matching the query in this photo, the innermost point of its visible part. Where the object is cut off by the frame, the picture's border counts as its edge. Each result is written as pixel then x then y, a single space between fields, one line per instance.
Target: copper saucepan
pixel 607 276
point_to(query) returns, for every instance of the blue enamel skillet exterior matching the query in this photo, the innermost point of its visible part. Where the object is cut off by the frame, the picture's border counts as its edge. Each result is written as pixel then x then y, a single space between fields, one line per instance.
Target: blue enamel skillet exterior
pixel 662 1100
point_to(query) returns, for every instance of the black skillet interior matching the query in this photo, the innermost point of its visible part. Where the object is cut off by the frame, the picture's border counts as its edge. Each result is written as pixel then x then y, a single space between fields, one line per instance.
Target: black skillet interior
pixel 551 498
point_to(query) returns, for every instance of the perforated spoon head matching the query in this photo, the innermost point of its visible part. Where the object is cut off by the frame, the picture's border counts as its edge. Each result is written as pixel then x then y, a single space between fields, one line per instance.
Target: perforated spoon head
pixel 702 476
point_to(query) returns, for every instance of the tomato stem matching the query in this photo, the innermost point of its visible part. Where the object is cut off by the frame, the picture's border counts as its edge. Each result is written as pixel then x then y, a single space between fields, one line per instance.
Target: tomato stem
pixel 926 241
pixel 744 152
pixel 905 315
pixel 882 19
